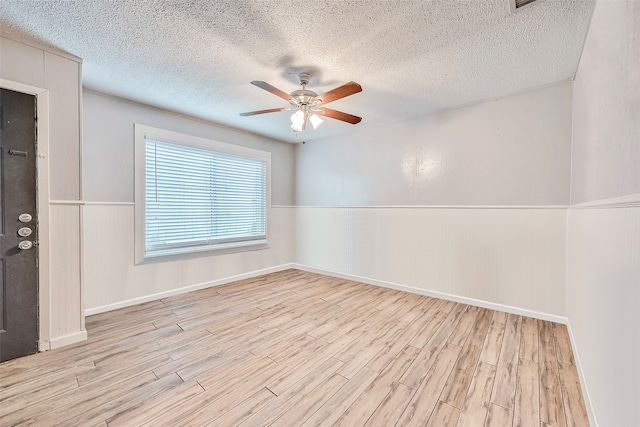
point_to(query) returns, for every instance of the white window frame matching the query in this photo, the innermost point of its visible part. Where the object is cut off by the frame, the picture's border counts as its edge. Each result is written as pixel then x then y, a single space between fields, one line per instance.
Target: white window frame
pixel 142 133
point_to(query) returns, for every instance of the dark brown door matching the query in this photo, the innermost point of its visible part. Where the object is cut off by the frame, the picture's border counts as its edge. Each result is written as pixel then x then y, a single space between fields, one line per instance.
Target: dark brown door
pixel 18 251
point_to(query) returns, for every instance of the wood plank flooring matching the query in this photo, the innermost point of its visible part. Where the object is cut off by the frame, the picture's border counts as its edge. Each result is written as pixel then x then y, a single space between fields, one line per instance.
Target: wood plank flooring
pixel 300 349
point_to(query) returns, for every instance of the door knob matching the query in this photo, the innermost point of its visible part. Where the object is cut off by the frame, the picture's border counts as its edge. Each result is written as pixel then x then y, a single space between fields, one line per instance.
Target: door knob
pixel 25 245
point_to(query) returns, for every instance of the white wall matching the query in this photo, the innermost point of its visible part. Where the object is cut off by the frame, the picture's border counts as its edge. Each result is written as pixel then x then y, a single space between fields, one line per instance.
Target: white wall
pixel 606 154
pixel 512 151
pixel 57 76
pixel 478 253
pixel 603 292
pixel 111 278
pixel 510 258
pixel 603 234
pixel 108 155
pixel 470 202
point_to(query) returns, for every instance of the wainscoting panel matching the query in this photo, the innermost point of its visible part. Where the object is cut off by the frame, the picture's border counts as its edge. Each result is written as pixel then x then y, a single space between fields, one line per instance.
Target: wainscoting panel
pixel 603 292
pixel 66 310
pixel 112 280
pixel 509 256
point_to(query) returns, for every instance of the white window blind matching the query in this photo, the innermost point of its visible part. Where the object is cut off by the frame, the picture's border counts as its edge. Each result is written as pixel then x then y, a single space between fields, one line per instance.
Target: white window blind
pixel 197 199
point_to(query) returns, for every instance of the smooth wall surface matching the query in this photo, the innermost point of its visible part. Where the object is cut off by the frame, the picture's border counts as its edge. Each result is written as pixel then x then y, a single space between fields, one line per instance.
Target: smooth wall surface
pixel 606 131
pixel 108 155
pixel 513 257
pixel 61 310
pixel 511 151
pixel 603 240
pixel 108 217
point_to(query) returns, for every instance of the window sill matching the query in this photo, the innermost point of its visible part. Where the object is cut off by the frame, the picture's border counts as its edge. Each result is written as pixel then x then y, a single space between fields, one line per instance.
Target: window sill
pixel 175 254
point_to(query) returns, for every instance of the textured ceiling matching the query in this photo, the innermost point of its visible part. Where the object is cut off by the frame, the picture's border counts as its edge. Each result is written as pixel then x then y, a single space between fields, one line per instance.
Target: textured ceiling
pixel 411 57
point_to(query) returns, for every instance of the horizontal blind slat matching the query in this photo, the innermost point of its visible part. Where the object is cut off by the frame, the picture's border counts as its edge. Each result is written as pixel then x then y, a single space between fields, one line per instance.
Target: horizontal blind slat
pixel 196 197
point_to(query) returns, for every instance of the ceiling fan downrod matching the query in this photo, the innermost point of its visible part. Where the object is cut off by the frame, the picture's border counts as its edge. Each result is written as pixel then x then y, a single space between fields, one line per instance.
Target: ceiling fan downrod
pixel 303 96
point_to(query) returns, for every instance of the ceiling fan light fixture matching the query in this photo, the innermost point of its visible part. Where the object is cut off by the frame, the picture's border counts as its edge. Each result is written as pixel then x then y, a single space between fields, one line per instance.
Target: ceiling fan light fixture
pixel 298 121
pixel 306 103
pixel 316 121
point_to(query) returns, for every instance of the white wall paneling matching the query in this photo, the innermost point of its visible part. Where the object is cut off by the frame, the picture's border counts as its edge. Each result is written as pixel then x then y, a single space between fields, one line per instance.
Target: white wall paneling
pixel 66 256
pixel 113 280
pixel 603 225
pixel 603 290
pixel 54 77
pixel 513 257
pixel 603 229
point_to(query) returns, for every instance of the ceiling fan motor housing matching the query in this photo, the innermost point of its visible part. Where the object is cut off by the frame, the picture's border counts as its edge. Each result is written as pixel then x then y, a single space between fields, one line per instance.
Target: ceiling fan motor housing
pixel 303 96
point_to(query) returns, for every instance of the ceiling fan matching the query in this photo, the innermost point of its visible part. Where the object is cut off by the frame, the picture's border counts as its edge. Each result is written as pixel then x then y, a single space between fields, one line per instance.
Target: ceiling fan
pixel 308 105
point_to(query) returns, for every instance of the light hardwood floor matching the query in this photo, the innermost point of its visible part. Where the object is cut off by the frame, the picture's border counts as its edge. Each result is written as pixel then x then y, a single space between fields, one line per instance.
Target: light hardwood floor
pixel 295 348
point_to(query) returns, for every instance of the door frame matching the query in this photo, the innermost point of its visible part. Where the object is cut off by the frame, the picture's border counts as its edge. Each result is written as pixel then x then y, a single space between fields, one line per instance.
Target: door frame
pixel 42 207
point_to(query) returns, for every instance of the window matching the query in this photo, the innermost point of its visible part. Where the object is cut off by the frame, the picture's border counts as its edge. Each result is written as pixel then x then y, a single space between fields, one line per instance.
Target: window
pixel 194 194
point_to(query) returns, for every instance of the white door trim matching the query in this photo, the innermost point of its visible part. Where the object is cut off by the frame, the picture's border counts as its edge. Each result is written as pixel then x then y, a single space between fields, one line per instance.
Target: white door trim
pixel 42 206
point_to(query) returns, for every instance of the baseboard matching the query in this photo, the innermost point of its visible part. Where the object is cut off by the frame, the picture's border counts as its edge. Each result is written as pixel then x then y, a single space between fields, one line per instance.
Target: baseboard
pixel 68 339
pixel 370 281
pixel 435 294
pixel 191 288
pixel 583 383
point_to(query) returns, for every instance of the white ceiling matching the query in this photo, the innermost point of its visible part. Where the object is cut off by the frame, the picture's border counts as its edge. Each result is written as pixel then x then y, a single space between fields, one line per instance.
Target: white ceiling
pixel 411 57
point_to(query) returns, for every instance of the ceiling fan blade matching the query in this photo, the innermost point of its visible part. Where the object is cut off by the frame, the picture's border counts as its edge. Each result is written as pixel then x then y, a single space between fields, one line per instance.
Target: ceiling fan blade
pixel 339 115
pixel 339 92
pixel 274 90
pixel 271 110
